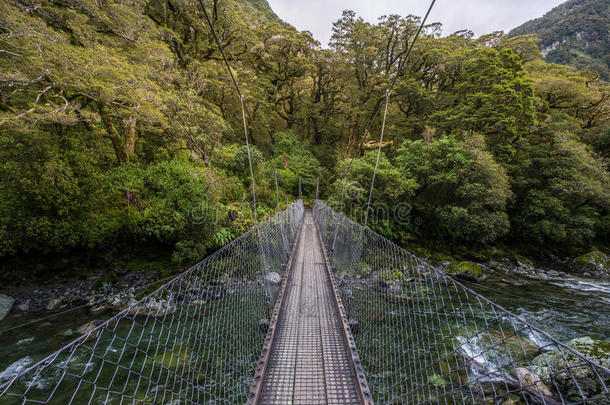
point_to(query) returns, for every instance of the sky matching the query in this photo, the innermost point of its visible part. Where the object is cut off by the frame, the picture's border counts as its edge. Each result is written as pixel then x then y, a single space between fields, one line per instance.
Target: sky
pixel 480 16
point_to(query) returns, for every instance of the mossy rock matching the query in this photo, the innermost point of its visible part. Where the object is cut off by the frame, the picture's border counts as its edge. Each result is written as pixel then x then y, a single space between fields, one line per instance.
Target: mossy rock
pixel 419 251
pixel 595 262
pixel 363 270
pixel 561 365
pixel 466 270
pixel 108 278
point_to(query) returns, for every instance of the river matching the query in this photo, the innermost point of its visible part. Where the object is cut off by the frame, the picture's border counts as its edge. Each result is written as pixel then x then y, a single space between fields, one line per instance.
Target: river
pixel 565 307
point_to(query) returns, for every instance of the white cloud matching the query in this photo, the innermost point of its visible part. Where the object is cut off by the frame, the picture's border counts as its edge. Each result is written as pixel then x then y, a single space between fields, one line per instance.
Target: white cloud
pixel 480 16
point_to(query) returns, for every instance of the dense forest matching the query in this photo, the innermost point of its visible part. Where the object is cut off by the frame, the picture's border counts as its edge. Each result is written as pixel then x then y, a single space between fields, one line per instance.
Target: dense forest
pixel 574 33
pixel 121 133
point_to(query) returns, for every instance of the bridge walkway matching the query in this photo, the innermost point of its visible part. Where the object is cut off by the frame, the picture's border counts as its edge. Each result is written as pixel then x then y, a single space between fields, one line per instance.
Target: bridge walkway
pixel 310 360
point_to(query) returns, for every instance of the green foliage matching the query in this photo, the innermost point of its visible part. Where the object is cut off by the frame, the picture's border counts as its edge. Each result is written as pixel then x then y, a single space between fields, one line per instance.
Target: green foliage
pixel 392 275
pixel 574 33
pixel 461 191
pixel 119 128
pixel 562 190
pixel 391 189
pixel 293 161
pixel 493 97
pixel 243 161
pixel 51 192
pixel 165 201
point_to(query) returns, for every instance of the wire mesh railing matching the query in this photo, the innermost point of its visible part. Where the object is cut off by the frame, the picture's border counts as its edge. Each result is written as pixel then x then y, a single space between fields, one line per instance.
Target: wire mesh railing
pixel 424 337
pixel 196 340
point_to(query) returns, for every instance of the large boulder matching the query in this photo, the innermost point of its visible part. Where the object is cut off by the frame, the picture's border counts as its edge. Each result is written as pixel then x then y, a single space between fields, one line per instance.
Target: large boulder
pixel 569 373
pixel 595 263
pixel 6 304
pixel 466 270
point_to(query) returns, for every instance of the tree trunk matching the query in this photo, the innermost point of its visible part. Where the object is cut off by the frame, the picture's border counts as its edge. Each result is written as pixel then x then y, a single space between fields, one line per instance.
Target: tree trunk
pixel 130 137
pixel 124 147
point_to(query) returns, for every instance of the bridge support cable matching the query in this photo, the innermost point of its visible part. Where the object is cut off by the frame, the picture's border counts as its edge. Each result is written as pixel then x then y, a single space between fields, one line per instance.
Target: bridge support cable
pixel 385 115
pixel 401 64
pixel 277 191
pixel 195 340
pixel 240 95
pixel 424 337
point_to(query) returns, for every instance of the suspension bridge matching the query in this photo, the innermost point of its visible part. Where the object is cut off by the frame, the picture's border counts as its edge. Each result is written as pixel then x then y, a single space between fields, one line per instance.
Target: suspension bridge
pixel 354 319
pixel 310 307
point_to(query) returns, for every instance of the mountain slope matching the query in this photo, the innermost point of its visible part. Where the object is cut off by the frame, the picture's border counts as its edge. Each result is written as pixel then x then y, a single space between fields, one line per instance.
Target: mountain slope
pixel 574 33
pixel 263 7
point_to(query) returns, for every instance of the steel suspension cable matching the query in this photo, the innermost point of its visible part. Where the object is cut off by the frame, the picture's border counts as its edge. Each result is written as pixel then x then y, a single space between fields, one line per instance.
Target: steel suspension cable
pixel 277 191
pixel 385 115
pixel 244 110
pixel 401 66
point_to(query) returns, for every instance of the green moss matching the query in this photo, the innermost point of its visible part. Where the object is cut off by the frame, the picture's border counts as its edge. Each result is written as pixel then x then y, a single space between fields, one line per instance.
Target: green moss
pixel 363 269
pixel 438 257
pixel 393 275
pixel 436 380
pixel 592 348
pixel 595 258
pixel 419 251
pixel 466 269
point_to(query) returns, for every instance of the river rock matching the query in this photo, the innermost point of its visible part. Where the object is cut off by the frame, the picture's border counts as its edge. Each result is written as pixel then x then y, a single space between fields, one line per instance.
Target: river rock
pixel 6 304
pixel 86 328
pixel 273 278
pixel 156 308
pixel 559 367
pixel 24 306
pixel 517 345
pixel 53 304
pixel 98 309
pixel 595 263
pixel 525 269
pixel 122 300
pixel 466 270
pixel 528 379
pixel 553 273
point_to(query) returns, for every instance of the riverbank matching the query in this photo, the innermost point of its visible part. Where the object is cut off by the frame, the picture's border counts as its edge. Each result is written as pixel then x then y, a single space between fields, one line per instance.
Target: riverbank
pixel 34 293
pixel 594 264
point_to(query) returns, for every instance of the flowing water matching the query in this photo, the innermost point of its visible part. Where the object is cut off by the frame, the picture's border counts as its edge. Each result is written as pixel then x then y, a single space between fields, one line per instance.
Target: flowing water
pixel 565 307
